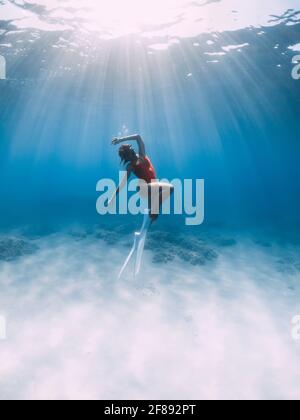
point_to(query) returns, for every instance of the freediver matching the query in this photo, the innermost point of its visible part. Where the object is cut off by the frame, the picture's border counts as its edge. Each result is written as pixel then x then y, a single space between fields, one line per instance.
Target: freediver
pixel 141 166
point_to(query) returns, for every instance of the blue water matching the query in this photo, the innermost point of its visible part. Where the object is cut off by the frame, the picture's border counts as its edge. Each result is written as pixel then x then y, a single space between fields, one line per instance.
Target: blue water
pixel 208 84
pixel 234 122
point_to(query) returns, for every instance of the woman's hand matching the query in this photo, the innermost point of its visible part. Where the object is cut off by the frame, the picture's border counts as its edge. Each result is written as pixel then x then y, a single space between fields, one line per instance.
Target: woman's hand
pixel 111 202
pixel 116 141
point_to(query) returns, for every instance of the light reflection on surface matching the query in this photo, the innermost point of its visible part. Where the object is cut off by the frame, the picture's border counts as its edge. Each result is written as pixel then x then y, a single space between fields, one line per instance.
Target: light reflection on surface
pixel 170 18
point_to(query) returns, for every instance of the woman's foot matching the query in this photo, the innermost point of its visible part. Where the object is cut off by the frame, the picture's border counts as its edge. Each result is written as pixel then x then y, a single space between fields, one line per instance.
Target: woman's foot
pixel 153 217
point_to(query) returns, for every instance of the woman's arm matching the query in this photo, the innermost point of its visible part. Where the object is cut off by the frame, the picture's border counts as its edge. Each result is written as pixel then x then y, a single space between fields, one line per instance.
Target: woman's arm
pixel 121 186
pixel 135 137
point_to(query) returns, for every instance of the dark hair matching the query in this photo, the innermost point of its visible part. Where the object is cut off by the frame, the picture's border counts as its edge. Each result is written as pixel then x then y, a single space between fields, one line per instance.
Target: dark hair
pixel 127 153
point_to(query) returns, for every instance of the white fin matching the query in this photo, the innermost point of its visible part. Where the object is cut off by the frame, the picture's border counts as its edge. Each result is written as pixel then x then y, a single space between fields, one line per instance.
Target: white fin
pixel 138 246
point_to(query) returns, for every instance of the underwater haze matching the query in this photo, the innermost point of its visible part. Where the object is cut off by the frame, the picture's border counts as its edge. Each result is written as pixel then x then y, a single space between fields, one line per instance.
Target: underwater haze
pixel 209 85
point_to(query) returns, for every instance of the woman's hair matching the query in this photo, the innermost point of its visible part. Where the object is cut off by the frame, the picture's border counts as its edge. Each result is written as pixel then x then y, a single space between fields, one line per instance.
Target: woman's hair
pixel 127 153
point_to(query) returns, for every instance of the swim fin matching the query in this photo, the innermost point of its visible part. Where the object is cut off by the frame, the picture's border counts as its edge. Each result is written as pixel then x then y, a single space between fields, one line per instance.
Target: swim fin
pixel 138 246
pixel 141 240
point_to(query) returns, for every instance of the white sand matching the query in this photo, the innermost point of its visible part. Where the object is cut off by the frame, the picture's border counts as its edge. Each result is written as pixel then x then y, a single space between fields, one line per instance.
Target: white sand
pixel 218 331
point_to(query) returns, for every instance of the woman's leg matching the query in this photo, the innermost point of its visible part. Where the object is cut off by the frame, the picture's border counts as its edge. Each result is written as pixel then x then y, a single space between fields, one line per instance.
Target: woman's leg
pixel 159 192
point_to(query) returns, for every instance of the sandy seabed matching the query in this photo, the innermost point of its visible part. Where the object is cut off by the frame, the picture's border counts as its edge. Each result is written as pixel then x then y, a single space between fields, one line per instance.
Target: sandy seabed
pixel 182 330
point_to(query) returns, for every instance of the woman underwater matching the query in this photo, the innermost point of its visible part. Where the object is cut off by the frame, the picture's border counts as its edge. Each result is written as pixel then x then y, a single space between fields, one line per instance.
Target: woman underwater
pixel 141 166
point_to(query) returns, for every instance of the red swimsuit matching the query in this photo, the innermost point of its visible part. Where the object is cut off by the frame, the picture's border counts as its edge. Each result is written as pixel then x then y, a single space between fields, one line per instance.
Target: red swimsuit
pixel 144 169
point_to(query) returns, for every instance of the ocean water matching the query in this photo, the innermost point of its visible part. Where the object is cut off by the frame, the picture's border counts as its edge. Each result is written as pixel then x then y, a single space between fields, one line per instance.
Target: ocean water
pixel 209 86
